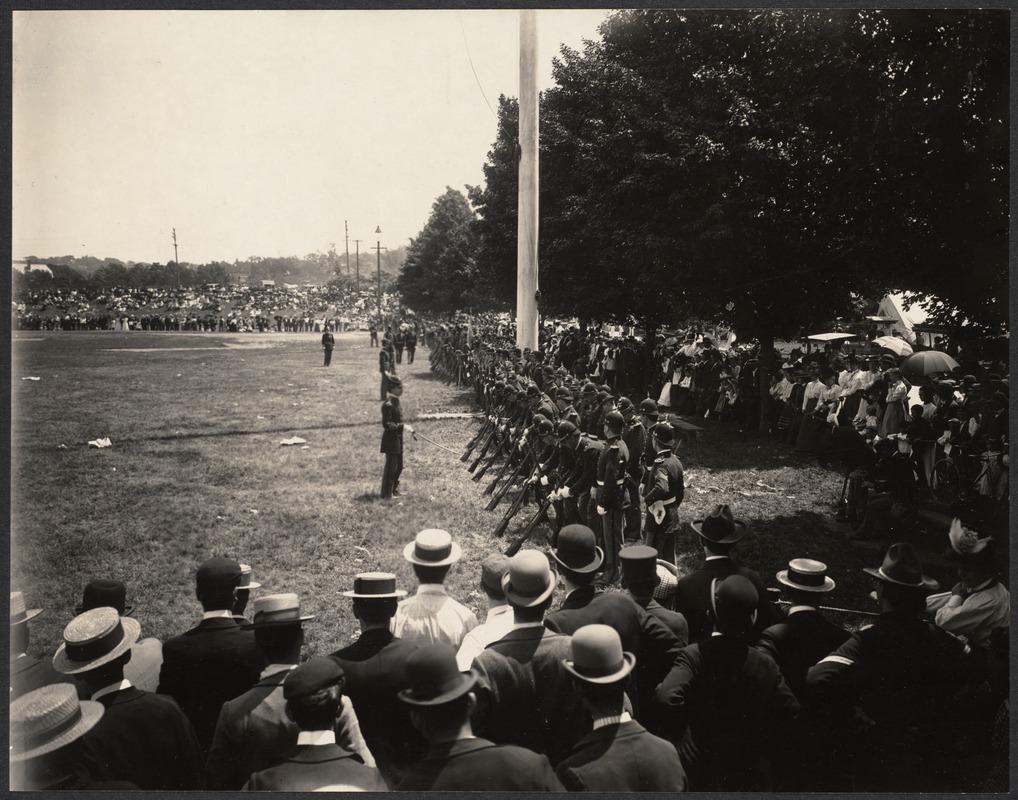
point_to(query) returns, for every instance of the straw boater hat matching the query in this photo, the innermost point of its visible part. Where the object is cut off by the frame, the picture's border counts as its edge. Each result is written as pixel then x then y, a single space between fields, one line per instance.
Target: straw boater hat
pixel 434 677
pixel 806 575
pixel 245 578
pixel 529 580
pixel 720 527
pixel 276 609
pixel 18 611
pixel 902 567
pixel 94 638
pixel 49 718
pixel 432 547
pixel 375 586
pixel 597 655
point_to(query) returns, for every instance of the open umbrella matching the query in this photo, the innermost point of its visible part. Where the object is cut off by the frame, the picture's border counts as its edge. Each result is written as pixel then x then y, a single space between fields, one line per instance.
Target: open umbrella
pixel 830 337
pixel 897 346
pixel 919 367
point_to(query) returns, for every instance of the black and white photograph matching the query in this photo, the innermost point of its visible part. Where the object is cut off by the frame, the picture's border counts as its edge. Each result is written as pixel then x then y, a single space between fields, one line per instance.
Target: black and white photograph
pixel 502 399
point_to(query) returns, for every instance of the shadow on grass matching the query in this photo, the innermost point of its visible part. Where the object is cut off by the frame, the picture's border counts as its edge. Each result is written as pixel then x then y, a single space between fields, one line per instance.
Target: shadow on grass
pixel 367 497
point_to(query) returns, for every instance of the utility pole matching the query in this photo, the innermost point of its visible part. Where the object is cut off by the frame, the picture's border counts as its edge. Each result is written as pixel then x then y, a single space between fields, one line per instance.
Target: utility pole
pixel 357 242
pixel 176 259
pixel 527 292
pixel 378 288
pixel 346 231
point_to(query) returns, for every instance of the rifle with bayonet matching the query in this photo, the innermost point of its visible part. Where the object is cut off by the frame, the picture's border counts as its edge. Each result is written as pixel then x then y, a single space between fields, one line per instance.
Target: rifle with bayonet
pixel 511 512
pixel 508 484
pixel 528 531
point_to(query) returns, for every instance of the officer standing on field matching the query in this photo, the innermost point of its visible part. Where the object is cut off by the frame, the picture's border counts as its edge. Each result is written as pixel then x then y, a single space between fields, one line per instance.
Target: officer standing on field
pixel 328 342
pixel 612 499
pixel 392 438
pixel 663 492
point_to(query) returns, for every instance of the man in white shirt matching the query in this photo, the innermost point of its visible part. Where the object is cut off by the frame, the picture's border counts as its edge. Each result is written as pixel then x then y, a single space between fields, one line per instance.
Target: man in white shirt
pixel 500 616
pixel 431 616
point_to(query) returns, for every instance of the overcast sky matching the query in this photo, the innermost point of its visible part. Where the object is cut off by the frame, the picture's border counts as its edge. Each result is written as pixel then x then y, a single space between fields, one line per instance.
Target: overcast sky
pixel 254 133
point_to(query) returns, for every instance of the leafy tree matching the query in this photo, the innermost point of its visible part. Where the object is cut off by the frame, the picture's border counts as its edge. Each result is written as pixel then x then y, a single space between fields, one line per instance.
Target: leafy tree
pixel 440 267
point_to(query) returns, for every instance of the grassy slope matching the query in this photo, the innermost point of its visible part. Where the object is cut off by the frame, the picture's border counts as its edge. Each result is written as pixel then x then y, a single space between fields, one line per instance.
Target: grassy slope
pixel 196 469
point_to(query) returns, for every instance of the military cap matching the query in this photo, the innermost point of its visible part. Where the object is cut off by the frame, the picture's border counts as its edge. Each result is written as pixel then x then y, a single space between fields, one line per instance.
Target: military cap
pixel 625 404
pixel 614 420
pixel 664 432
pixel 533 391
pixel 563 393
pixel 395 382
pixel 588 389
pixel 648 407
pixel 566 429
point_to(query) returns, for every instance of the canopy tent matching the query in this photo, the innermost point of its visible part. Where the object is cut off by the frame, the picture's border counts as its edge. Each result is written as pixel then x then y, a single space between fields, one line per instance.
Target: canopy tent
pixel 892 306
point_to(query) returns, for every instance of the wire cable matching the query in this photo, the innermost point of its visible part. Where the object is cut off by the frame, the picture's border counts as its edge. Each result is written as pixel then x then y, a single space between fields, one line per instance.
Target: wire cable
pixel 466 47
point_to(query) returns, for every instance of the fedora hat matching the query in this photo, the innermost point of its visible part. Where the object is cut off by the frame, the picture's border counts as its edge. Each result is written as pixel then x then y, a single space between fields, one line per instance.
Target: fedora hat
pixel 577 549
pixel 94 638
pixel 529 580
pixel 720 527
pixel 902 566
pixel 49 718
pixel 432 547
pixel 104 592
pixel 668 577
pixel 18 611
pixel 806 575
pixel 276 609
pixel 597 655
pixel 374 586
pixel 245 578
pixel 434 677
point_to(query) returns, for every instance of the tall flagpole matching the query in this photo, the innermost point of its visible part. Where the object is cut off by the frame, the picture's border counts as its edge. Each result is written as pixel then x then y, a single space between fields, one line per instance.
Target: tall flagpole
pixel 527 226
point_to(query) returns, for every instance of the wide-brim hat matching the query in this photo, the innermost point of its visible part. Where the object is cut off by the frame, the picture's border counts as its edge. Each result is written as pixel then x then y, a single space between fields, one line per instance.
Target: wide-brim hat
pixel 102 592
pixel 720 526
pixel 597 655
pixel 94 638
pixel 529 580
pixel 375 586
pixel 903 567
pixel 432 547
pixel 49 718
pixel 18 612
pixel 806 575
pixel 434 677
pixel 274 610
pixel 967 548
pixel 577 549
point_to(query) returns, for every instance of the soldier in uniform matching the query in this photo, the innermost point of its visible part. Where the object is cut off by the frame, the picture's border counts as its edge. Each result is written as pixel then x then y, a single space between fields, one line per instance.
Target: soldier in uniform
pixel 588 410
pixel 392 438
pixel 564 402
pixel 398 341
pixel 373 330
pixel 664 484
pixel 328 342
pixel 611 493
pixel 581 480
pixel 385 366
pixel 411 344
pixel 635 437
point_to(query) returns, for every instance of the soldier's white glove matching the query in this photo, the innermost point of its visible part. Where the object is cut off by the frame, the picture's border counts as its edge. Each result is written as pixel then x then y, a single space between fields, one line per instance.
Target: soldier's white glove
pixel 601 511
pixel 408 428
pixel 565 492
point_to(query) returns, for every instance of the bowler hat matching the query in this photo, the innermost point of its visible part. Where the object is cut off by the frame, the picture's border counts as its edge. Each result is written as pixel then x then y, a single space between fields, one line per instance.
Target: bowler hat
pixel 276 609
pixel 529 580
pixel 218 573
pixel 311 676
pixel 432 547
pixel 668 580
pixel 597 655
pixel 94 638
pixel 720 527
pixel 664 432
pixel 577 549
pixel 639 564
pixel 806 575
pixel 102 592
pixel 648 407
pixel 374 586
pixel 903 567
pixel 49 718
pixel 18 611
pixel 434 677
pixel 733 602
pixel 493 569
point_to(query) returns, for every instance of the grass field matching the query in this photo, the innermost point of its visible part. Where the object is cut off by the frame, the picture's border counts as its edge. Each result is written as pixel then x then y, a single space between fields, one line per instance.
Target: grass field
pixel 196 469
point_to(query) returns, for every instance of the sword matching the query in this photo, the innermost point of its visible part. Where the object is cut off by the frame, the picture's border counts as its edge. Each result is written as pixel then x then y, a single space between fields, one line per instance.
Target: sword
pixel 432 441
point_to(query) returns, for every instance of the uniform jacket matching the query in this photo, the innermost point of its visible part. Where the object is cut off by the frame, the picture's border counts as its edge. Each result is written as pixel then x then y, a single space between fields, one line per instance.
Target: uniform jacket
pixel 478 764
pixel 635 438
pixel 315 768
pixel 144 738
pixel 206 666
pixel 611 474
pixel 665 480
pixel 375 671
pixel 384 361
pixel 692 596
pixel 525 695
pixel 253 732
pixel 798 642
pixel 622 758
pixel 653 644
pixel 584 476
pixel 392 426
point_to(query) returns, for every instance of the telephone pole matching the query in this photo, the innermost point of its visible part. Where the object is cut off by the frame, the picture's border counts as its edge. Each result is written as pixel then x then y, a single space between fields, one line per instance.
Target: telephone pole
pixel 176 259
pixel 346 231
pixel 527 292
pixel 378 288
pixel 358 243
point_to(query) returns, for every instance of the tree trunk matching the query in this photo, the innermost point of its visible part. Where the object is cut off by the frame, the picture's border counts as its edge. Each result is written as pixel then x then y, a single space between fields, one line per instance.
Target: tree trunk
pixel 765 370
pixel 650 370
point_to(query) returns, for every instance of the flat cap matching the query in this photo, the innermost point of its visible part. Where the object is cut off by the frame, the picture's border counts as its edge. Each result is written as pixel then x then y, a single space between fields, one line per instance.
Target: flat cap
pixel 309 677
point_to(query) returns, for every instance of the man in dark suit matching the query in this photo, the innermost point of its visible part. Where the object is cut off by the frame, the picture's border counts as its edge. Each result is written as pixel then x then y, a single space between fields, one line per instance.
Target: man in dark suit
pixel 579 559
pixel 619 754
pixel 143 738
pixel 718 533
pixel 215 661
pixel 524 694
pixel 728 707
pixel 313 692
pixel 441 702
pixel 253 730
pixel 27 672
pixel 375 671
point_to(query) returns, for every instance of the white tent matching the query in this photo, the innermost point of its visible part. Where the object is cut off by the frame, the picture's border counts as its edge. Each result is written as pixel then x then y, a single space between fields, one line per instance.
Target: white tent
pixel 904 321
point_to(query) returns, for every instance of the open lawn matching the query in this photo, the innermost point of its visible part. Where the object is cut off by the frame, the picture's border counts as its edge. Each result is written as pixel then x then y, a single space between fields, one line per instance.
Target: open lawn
pixel 196 469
